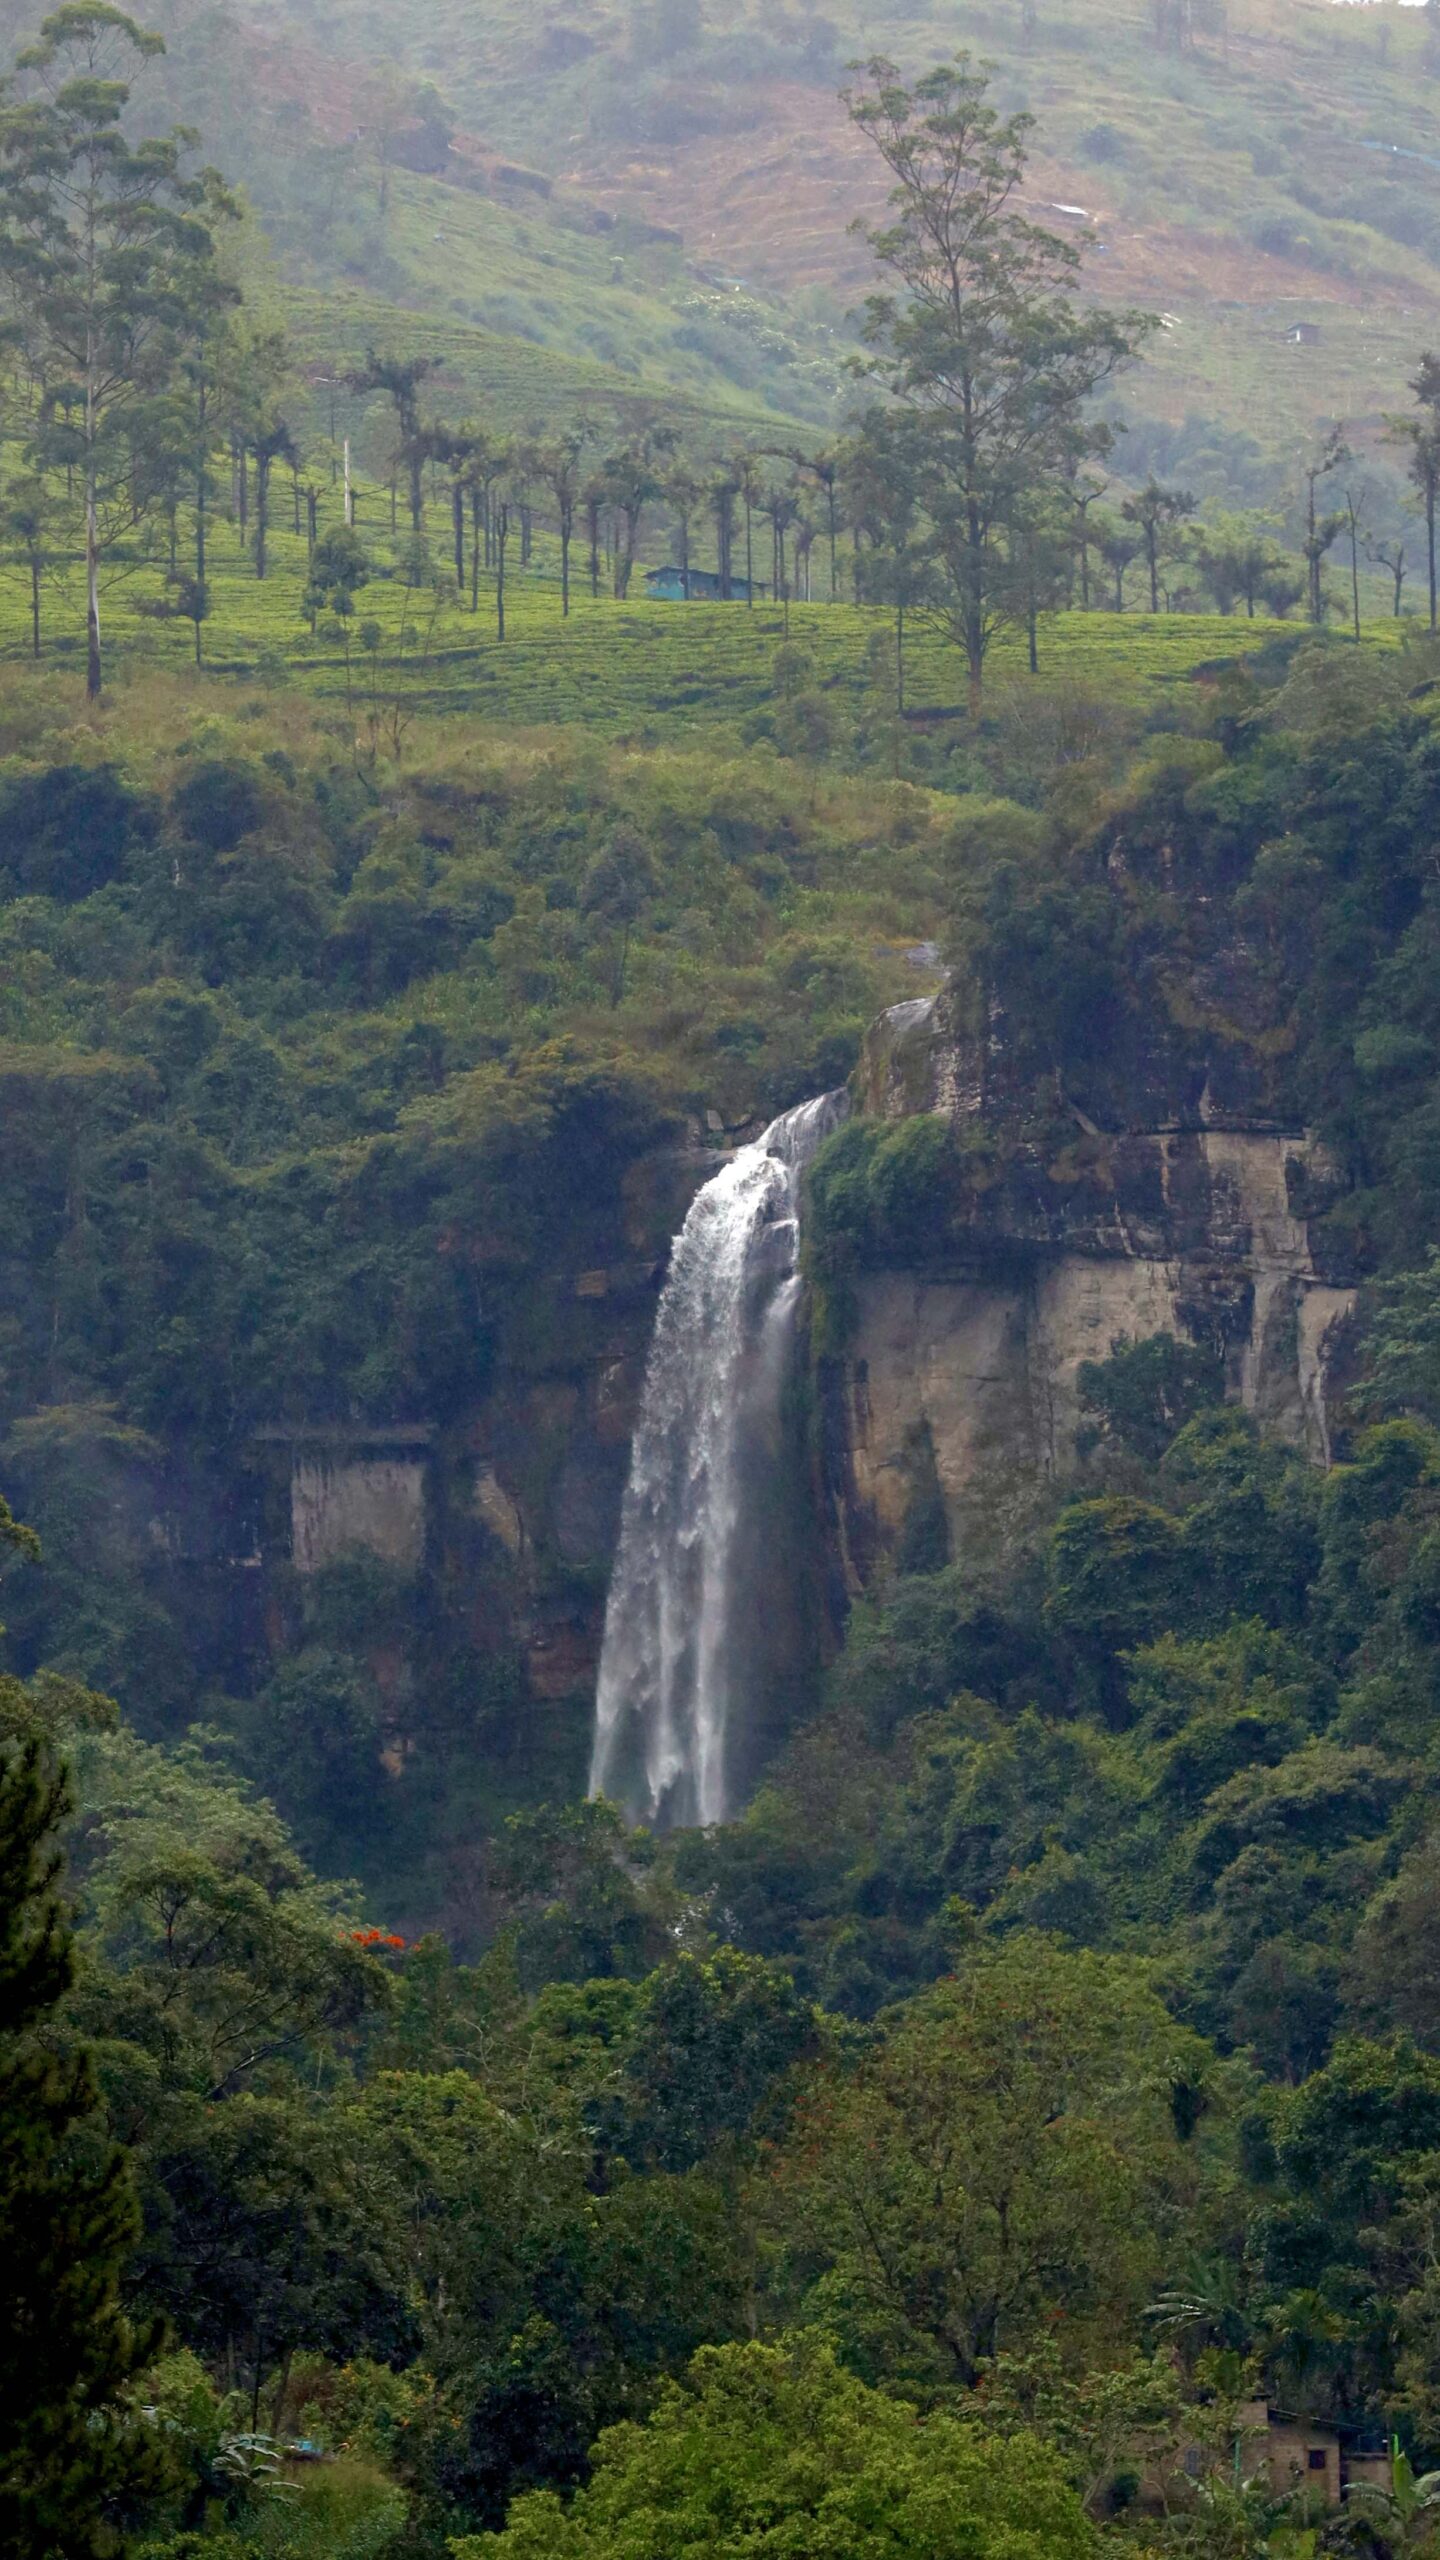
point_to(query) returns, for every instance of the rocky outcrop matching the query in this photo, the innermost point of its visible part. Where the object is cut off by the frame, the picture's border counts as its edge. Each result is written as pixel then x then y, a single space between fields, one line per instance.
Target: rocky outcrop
pixel 957 1381
pixel 499 1518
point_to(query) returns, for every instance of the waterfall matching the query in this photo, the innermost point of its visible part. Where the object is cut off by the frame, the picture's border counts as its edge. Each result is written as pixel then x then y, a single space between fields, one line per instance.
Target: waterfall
pixel 691 1625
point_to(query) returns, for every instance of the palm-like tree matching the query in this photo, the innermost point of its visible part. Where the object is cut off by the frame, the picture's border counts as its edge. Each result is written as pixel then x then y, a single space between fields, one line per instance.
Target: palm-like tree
pixel 1401 2521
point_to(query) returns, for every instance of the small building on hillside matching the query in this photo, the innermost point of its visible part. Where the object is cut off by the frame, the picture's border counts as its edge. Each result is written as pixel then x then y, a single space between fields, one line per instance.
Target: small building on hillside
pixel 1293 2454
pixel 1305 333
pixel 669 586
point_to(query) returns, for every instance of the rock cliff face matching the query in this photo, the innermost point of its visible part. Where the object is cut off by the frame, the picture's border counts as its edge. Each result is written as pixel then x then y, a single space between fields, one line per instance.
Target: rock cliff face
pixel 1208 1223
pixel 496 1524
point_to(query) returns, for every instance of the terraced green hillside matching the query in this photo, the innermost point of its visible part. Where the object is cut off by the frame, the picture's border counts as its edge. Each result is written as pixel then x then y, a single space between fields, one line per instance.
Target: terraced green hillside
pixel 1280 170
pixel 637 668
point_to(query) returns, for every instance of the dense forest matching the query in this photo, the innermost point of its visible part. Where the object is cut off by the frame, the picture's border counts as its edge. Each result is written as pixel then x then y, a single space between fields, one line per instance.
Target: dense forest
pixel 1013 2133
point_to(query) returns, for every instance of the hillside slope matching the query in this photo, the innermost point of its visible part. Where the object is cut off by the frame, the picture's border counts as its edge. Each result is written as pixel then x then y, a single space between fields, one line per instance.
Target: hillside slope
pixel 682 179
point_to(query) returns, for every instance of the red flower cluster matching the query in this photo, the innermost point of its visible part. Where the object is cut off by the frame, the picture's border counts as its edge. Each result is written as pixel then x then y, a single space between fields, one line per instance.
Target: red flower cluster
pixel 376 1938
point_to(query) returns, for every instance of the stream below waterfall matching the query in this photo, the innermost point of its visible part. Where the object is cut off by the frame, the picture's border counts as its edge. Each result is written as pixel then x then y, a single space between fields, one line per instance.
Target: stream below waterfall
pixel 703 1605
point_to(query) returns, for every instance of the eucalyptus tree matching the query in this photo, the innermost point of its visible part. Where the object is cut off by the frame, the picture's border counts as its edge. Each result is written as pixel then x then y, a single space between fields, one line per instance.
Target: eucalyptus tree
pixel 1322 527
pixel 684 492
pixel 28 528
pixel 882 497
pixel 630 480
pixel 1119 546
pixel 559 463
pixel 977 332
pixel 724 489
pixel 1419 439
pixel 274 443
pixel 101 239
pixel 485 463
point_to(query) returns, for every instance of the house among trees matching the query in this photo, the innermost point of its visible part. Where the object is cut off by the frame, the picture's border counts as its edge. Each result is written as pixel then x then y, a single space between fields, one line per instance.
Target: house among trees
pixel 1294 2453
pixel 681 586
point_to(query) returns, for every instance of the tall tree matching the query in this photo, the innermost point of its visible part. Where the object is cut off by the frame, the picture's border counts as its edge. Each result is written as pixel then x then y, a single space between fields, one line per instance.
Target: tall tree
pixel 630 480
pixel 273 443
pixel 1420 439
pixel 1321 528
pixel 685 491
pixel 981 336
pixel 881 495
pixel 206 369
pixel 724 490
pixel 1155 512
pixel 1235 554
pixel 27 523
pixel 559 464
pixel 1010 2146
pixel 400 377
pixel 1118 545
pixel 99 239
pixel 67 2454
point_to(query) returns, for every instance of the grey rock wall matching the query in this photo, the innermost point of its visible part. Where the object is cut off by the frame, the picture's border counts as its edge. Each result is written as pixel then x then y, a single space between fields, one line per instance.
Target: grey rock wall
pixel 1202 1227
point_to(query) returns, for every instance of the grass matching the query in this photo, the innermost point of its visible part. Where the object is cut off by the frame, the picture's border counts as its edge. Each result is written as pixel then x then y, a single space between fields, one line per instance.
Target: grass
pixel 539 322
pixel 632 668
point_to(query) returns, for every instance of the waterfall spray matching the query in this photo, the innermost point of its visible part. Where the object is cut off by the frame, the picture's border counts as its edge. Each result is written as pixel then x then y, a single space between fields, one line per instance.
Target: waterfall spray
pixel 686 1629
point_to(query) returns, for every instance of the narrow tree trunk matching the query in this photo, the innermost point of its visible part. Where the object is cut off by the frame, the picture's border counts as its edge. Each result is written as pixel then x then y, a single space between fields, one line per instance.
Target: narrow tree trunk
pixel 34 606
pixel 834 566
pixel 566 527
pixel 502 535
pixel 92 576
pixel 457 525
pixel 474 550
pixel 312 510
pixel 749 554
pixel 975 610
pixel 1430 545
pixel 262 511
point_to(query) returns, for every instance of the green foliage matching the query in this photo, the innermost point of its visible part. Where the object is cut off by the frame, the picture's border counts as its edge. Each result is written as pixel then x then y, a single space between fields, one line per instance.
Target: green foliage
pixel 1013 2121
pixel 762 2448
pixel 71 2453
pixel 1146 1392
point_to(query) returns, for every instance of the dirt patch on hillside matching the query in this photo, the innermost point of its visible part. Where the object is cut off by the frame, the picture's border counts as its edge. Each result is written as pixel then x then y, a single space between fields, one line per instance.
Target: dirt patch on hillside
pixel 775 206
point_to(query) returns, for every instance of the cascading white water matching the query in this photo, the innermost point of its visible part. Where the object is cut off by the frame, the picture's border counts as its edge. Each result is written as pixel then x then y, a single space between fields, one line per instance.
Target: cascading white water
pixel 686 1624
